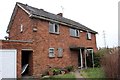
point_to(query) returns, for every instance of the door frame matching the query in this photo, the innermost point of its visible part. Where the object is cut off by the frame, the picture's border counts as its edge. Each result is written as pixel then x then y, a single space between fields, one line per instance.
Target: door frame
pixel 92 55
pixel 30 53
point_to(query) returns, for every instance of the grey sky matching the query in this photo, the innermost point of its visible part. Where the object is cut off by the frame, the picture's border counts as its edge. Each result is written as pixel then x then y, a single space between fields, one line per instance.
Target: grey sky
pixel 98 15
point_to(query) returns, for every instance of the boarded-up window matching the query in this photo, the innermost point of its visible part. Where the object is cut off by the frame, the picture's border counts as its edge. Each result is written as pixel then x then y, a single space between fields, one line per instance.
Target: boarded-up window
pixel 60 52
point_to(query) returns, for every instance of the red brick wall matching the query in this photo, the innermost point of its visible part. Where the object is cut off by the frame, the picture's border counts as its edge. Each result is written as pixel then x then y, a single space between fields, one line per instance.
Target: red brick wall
pixel 21 18
pixel 43 40
pixel 18 46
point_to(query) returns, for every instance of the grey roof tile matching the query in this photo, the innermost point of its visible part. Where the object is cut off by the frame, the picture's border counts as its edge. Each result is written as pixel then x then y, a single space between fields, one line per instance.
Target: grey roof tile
pixel 41 13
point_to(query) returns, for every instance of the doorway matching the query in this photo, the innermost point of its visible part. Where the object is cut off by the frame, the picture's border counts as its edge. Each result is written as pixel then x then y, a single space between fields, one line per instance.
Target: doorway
pixel 27 63
pixel 90 59
pixel 79 58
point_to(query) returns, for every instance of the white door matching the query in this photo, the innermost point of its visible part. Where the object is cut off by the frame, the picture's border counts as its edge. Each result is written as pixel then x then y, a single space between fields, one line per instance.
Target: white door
pixel 8 63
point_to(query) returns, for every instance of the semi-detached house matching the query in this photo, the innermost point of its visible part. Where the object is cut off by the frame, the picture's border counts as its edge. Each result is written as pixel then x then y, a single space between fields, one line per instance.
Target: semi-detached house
pixel 39 38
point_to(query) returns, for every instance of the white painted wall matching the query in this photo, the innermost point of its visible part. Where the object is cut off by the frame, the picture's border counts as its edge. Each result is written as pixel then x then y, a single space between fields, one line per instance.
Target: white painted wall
pixel 8 63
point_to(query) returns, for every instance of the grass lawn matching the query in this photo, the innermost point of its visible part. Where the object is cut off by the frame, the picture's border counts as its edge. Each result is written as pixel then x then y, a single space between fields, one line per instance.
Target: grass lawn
pixel 92 73
pixel 68 76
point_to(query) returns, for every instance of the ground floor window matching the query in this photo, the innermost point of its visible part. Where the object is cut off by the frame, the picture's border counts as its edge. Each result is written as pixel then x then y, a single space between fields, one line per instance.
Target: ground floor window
pixel 51 52
pixel 60 52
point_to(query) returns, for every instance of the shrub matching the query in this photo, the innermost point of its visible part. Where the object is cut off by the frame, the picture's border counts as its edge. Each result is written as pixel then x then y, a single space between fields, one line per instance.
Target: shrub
pixel 69 68
pixel 98 55
pixel 97 59
pixel 110 63
pixel 56 71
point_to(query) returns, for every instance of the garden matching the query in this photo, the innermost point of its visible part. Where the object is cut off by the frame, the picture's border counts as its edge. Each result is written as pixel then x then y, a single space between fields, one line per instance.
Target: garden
pixel 59 73
pixel 105 62
pixel 93 73
pixel 106 65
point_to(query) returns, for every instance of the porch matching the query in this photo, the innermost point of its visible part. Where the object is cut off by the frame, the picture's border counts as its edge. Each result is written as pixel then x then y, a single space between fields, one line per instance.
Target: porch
pixel 85 56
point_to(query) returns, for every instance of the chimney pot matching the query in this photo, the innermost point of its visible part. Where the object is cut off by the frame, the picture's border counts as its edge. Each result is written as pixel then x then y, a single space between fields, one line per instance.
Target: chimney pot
pixel 60 14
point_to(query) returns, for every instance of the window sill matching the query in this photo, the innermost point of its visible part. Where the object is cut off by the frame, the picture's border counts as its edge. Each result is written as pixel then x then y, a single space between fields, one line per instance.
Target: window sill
pixel 75 36
pixel 51 56
pixel 59 56
pixel 54 33
pixel 89 39
pixel 21 31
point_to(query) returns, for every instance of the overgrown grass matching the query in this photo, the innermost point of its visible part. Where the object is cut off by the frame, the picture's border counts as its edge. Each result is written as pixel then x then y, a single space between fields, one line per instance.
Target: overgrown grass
pixel 68 76
pixel 110 62
pixel 93 73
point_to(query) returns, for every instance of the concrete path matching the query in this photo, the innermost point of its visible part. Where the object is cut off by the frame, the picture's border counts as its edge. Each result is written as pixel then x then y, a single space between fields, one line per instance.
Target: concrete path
pixel 78 76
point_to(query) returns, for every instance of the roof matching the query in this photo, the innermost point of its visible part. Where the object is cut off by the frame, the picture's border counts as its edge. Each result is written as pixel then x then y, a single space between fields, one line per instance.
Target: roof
pixel 42 14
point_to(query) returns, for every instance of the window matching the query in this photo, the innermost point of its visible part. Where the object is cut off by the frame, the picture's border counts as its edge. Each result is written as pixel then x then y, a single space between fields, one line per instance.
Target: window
pixel 53 28
pixel 89 52
pixel 60 52
pixel 74 32
pixel 88 36
pixel 51 52
pixel 21 28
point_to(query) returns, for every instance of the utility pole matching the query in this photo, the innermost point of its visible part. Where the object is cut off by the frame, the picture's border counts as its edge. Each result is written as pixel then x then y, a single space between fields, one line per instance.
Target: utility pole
pixel 104 37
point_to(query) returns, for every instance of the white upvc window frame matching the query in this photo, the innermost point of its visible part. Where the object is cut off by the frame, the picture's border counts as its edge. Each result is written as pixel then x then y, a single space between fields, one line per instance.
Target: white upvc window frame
pixel 51 52
pixel 21 28
pixel 52 28
pixel 90 50
pixel 74 32
pixel 89 36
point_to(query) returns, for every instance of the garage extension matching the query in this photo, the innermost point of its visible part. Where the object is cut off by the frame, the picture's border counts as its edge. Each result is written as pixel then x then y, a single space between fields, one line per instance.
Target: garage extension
pixel 12 58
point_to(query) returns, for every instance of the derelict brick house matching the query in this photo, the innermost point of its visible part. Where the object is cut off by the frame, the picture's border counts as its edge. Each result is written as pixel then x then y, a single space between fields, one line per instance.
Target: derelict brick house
pixel 42 38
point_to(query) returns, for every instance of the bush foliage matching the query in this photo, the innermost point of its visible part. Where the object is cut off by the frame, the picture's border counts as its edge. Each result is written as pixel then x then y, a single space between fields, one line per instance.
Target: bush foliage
pixel 69 68
pixel 109 63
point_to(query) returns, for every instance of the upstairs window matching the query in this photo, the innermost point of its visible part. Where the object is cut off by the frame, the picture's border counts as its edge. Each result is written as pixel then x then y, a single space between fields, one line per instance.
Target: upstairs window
pixel 89 36
pixel 74 32
pixel 51 52
pixel 53 28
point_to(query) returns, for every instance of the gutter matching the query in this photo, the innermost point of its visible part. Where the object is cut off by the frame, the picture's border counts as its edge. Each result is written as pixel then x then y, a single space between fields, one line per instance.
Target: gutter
pixel 70 25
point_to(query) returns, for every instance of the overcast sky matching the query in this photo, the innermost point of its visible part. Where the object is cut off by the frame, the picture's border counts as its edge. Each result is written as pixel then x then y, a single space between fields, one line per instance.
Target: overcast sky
pixel 98 15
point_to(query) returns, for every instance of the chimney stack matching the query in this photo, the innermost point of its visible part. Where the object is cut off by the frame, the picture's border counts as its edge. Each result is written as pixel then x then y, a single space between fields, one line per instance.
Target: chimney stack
pixel 60 14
